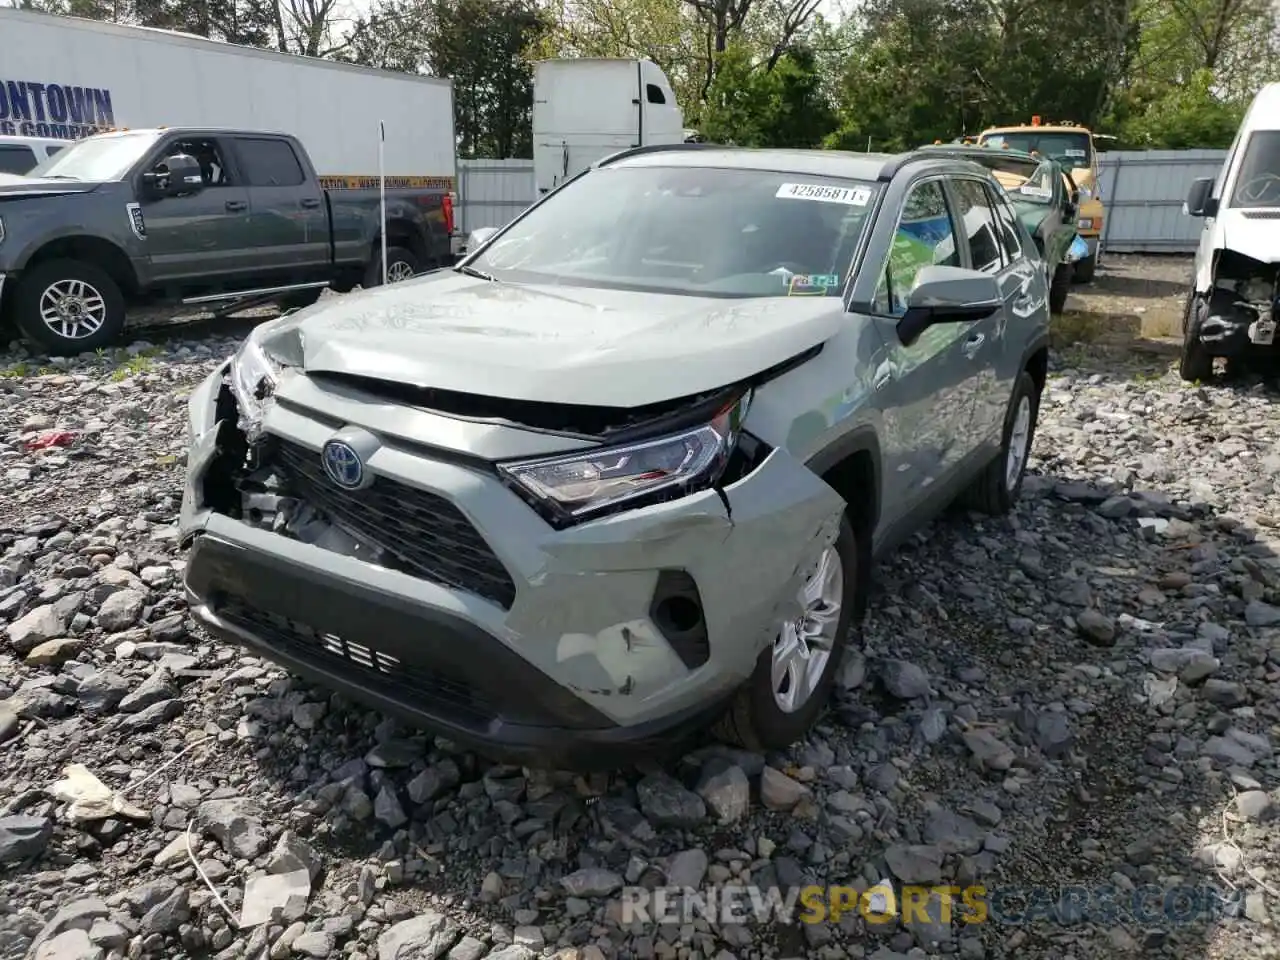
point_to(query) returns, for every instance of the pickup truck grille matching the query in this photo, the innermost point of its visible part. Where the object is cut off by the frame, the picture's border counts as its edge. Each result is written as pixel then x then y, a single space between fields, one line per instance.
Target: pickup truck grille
pixel 426 534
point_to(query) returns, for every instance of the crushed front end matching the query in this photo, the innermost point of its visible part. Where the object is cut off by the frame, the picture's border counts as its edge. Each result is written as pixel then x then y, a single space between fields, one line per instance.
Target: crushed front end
pixel 439 587
pixel 1238 316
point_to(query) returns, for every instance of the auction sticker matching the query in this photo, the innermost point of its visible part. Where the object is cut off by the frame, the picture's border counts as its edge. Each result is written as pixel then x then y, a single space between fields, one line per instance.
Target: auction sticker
pixel 851 196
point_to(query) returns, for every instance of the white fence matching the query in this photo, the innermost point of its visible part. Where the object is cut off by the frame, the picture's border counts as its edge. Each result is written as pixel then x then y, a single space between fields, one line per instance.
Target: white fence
pixel 492 192
pixel 1143 191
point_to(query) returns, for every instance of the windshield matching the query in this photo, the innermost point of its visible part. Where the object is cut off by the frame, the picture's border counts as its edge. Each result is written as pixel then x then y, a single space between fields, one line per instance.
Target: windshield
pixel 1069 149
pixel 97 159
pixel 702 231
pixel 1258 182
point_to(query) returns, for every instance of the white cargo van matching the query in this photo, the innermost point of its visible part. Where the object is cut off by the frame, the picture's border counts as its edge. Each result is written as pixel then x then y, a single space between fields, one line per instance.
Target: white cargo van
pixel 586 109
pixel 1231 307
pixel 20 154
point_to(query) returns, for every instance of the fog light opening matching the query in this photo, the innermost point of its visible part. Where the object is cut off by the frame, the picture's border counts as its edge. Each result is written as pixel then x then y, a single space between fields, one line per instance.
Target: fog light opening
pixel 678 615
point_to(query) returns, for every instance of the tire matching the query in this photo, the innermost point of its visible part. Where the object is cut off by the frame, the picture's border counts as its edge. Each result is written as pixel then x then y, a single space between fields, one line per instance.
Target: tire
pixel 1195 363
pixel 755 720
pixel 1084 269
pixel 296 301
pixel 1059 287
pixel 991 492
pixel 397 257
pixel 83 285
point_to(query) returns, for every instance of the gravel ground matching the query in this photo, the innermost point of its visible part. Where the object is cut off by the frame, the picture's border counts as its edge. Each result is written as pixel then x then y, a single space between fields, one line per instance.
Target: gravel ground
pixel 1082 695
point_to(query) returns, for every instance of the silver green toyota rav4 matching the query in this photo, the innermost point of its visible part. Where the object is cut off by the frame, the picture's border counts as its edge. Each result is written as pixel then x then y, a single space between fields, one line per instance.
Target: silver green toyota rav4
pixel 621 473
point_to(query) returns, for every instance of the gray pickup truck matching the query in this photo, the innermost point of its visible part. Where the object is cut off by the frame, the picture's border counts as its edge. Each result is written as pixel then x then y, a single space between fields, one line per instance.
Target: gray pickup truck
pixel 225 218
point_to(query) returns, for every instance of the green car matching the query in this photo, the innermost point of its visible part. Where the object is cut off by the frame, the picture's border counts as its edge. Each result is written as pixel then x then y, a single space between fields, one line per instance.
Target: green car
pixel 1045 199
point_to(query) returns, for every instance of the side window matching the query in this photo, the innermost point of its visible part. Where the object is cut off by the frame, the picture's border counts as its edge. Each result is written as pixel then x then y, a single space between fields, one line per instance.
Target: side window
pixel 925 237
pixel 1010 236
pixel 268 163
pixel 16 159
pixel 979 225
pixel 207 153
pixel 50 151
pixel 653 93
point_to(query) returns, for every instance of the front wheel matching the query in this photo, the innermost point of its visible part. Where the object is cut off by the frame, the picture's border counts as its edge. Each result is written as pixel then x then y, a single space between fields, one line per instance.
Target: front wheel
pixel 1059 287
pixel 69 306
pixel 1195 364
pixel 998 487
pixel 793 677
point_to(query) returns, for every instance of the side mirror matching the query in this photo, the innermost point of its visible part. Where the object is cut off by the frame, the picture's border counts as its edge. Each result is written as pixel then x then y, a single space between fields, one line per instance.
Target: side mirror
pixel 947 295
pixel 1200 200
pixel 174 176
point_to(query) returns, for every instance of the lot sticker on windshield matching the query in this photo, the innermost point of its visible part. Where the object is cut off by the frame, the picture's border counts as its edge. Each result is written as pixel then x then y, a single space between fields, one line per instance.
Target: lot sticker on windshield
pixel 853 197
pixel 1043 192
pixel 1073 152
pixel 811 285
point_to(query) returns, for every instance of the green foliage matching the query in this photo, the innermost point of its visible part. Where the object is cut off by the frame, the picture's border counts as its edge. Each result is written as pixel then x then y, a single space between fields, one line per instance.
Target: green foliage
pixel 892 74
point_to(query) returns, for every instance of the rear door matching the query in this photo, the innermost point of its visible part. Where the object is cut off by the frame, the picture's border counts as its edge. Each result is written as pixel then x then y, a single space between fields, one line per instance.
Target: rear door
pixel 288 223
pixel 994 247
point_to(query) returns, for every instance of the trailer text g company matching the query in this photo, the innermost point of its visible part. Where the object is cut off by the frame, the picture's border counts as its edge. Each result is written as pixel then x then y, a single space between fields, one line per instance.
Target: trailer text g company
pixel 31 108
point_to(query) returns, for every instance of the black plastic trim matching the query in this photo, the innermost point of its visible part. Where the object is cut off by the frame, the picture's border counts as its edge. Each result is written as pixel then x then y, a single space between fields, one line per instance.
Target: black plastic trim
pixel 690 641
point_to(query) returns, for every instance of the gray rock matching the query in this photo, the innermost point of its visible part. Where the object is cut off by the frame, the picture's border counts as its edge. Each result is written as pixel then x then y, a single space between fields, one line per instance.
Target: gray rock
pixel 168 915
pixel 293 853
pixel 316 944
pixel 387 809
pixel 592 882
pixel 725 788
pixel 1098 629
pixel 915 863
pixel 904 680
pixel 687 869
pixel 1255 805
pixel 71 945
pixel 780 792
pixel 121 610
pixel 1259 614
pixel 237 824
pixel 434 782
pixel 424 937
pixel 35 627
pixel 666 802
pixel 23 836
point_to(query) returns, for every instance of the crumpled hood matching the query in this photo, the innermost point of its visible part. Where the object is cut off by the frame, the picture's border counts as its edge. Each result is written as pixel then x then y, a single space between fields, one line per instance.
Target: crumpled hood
pixel 573 345
pixel 13 186
pixel 1256 237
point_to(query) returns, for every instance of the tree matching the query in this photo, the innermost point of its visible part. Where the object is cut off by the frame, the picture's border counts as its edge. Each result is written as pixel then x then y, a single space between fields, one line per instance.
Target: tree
pixel 767 104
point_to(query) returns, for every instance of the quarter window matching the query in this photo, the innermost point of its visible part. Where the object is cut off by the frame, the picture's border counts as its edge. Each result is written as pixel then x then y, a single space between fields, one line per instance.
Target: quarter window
pixel 925 237
pixel 979 225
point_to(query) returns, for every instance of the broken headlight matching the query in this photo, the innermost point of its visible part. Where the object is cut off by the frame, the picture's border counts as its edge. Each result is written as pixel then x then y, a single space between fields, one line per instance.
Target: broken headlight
pixel 253 380
pixel 586 484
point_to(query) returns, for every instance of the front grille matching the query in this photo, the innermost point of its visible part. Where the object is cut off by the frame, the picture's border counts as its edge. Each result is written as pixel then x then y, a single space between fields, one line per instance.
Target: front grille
pixel 378 670
pixel 427 536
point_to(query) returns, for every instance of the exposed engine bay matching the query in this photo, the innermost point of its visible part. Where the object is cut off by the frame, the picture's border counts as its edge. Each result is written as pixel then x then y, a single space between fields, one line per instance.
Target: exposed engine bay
pixel 1240 310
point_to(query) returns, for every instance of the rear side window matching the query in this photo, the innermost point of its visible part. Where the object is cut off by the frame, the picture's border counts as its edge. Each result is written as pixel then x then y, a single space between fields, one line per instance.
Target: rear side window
pixel 50 151
pixel 16 159
pixel 979 224
pixel 1010 237
pixel 268 163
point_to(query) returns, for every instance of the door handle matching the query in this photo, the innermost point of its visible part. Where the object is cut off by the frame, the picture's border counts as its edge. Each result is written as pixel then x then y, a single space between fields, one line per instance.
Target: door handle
pixel 235 206
pixel 883 376
pixel 311 202
pixel 973 344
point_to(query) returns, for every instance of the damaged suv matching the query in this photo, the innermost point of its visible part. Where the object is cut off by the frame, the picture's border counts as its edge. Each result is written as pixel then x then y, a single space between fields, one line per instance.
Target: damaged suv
pixel 1230 309
pixel 623 471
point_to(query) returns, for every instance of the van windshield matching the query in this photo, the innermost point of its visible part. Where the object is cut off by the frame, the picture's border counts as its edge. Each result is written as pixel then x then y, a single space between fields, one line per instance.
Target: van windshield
pixel 689 230
pixel 1258 182
pixel 97 159
pixel 1069 149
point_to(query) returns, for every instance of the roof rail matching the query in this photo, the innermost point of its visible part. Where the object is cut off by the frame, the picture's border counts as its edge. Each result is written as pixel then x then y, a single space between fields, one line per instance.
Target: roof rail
pixel 652 148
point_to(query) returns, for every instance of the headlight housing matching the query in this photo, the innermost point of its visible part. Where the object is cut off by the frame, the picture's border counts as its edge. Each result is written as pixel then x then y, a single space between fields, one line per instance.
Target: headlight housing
pixel 253 378
pixel 572 488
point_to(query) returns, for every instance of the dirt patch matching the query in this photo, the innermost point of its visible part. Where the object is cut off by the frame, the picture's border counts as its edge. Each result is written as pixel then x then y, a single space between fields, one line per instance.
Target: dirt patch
pixel 1135 301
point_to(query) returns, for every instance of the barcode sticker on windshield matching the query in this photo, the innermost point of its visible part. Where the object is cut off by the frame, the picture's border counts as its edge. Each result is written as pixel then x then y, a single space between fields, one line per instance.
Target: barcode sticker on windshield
pixel 1073 152
pixel 1043 192
pixel 853 197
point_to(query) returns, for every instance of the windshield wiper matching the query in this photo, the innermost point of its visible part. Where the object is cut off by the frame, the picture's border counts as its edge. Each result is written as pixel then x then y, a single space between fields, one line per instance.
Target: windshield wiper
pixel 478 274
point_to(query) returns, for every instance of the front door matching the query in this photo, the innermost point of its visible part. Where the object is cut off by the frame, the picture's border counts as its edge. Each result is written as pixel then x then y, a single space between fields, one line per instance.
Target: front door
pixel 922 388
pixel 200 234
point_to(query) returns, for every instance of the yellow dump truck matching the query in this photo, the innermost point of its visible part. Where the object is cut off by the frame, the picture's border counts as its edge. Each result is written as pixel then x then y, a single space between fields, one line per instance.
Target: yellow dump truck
pixel 1073 147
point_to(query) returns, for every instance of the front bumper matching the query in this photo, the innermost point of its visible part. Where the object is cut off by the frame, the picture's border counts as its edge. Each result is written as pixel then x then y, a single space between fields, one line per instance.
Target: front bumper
pixel 576 664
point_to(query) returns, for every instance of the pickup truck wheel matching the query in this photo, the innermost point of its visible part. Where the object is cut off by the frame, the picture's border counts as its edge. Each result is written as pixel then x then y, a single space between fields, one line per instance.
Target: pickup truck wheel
pixel 69 306
pixel 1084 269
pixel 1059 287
pixel 401 265
pixel 793 677
pixel 998 487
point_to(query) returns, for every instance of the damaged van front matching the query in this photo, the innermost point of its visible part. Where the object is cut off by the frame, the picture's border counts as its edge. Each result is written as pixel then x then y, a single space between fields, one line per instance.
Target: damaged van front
pixel 1231 307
